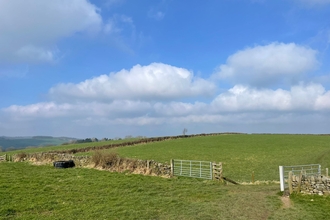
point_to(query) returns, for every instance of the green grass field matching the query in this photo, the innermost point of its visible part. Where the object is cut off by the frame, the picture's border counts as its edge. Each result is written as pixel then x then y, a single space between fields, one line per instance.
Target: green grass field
pixel 43 192
pixel 241 154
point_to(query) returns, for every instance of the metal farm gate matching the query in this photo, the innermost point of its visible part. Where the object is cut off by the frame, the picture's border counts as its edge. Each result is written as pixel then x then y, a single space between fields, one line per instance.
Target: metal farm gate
pixel 309 170
pixel 192 168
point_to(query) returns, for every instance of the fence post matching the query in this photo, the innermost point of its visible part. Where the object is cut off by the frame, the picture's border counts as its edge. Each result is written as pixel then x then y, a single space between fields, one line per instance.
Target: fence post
pixel 220 166
pixel 290 182
pixel 190 168
pixel 281 169
pixel 299 181
pixel 172 167
pixel 216 171
pixel 319 169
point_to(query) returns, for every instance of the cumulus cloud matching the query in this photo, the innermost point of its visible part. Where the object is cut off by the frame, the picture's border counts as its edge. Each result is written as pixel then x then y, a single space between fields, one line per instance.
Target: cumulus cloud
pixel 311 97
pixel 113 109
pixel 238 103
pixel 267 65
pixel 30 28
pixel 155 81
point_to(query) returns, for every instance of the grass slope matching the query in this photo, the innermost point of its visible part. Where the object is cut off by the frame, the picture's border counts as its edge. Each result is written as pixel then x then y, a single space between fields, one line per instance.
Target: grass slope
pixel 42 192
pixel 240 154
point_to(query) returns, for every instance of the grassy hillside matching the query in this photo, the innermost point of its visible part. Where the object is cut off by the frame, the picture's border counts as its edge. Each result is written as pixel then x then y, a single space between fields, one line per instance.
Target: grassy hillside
pixel 240 154
pixel 42 192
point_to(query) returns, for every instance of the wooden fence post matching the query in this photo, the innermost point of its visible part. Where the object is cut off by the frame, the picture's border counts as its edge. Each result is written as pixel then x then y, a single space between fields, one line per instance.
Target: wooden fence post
pixel 220 166
pixel 217 171
pixel 299 182
pixel 290 182
pixel 327 172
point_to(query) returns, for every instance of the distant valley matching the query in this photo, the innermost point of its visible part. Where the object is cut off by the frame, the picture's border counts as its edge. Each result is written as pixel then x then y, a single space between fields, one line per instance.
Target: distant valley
pixel 14 143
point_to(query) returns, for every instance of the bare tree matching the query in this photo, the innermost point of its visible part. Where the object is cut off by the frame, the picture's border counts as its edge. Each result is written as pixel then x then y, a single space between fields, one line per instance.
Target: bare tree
pixel 185 130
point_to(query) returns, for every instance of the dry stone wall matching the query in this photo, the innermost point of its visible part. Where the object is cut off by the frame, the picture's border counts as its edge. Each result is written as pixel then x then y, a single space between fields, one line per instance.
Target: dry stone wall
pixel 146 167
pixel 317 185
pixel 131 143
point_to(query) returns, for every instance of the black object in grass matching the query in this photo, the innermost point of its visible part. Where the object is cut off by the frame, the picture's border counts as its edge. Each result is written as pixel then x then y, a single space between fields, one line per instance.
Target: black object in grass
pixel 64 164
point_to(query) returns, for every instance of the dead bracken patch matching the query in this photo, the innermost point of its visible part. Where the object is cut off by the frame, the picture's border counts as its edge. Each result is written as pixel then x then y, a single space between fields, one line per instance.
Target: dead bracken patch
pixel 286 202
pixel 265 182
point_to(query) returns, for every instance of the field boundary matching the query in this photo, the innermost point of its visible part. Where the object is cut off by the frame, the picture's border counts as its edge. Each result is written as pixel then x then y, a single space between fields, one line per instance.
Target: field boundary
pixel 307 170
pixel 3 158
pixel 197 169
pixel 192 168
pixel 141 141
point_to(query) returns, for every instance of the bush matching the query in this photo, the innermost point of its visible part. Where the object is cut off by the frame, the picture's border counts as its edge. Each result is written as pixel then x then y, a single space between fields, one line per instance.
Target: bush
pixel 104 159
pixel 21 156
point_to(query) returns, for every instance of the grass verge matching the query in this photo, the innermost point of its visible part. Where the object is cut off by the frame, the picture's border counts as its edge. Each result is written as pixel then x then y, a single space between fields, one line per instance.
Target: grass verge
pixel 43 192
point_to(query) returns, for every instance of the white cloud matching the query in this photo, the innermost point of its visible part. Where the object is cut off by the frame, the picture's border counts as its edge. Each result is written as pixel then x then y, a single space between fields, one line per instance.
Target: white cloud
pixel 155 81
pixel 241 108
pixel 30 28
pixel 267 65
pixel 311 97
pixel 76 110
pixel 31 53
pixel 242 98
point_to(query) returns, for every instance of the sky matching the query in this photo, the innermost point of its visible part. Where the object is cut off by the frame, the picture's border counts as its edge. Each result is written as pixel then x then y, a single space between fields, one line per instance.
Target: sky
pixel 113 68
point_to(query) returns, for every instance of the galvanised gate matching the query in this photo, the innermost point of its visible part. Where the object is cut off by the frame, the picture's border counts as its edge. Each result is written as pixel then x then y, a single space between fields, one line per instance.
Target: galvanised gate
pixel 309 170
pixel 192 168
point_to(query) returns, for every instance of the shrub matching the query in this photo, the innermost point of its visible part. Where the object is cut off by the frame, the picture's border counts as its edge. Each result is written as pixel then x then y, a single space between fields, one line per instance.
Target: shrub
pixel 104 159
pixel 21 156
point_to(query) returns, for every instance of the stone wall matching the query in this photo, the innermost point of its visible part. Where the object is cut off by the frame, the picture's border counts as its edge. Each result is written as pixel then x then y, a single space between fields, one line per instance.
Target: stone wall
pixel 3 158
pixel 318 185
pixel 136 142
pixel 145 167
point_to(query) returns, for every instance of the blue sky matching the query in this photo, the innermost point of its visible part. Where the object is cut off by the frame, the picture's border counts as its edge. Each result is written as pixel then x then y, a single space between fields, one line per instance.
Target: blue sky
pixel 111 68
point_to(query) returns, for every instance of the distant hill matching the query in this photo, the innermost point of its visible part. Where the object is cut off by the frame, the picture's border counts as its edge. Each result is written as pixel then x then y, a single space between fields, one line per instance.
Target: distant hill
pixel 11 143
